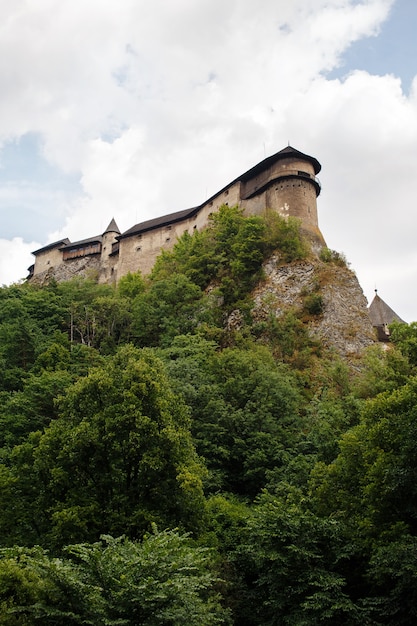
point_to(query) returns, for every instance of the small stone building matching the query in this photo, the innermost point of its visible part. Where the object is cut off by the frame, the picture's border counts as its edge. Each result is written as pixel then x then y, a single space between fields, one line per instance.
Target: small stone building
pixel 381 317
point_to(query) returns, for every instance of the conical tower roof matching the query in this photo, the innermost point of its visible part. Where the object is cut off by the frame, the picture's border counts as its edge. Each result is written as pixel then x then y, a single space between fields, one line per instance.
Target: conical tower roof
pixel 112 228
pixel 381 314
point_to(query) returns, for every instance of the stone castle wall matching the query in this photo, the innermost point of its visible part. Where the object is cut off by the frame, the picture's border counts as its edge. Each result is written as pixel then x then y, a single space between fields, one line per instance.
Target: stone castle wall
pixel 284 182
pixel 140 251
pixel 48 260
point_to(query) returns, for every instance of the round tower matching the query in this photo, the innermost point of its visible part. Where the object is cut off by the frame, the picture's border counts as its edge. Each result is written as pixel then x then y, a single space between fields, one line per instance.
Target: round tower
pixel 109 253
pixel 287 183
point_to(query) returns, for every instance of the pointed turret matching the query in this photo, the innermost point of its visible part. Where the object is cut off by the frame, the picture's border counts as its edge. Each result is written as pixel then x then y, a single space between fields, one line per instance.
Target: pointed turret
pixel 382 316
pixel 112 227
pixel 109 253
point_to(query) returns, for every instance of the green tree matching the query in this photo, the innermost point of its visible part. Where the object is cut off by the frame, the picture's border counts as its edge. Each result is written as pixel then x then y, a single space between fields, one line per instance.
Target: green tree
pixel 131 285
pixel 168 308
pixel 31 409
pixel 289 562
pixel 384 370
pixel 371 488
pixel 404 337
pixel 244 408
pixel 228 253
pixel 162 580
pixel 284 235
pixel 118 458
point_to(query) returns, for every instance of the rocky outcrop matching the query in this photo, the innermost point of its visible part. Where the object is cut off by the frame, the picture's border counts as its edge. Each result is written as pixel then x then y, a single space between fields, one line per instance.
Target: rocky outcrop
pixel 326 296
pixel 84 267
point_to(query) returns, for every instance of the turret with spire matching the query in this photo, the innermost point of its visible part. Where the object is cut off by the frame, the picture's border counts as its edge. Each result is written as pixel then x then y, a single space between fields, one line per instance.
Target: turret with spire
pixel 109 247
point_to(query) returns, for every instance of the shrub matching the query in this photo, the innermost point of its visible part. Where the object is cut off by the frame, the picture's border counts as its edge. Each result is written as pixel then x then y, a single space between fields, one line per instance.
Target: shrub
pixel 313 304
pixel 331 256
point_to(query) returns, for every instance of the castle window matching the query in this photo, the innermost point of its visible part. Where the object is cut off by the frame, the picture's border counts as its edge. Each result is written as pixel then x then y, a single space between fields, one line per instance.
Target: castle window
pixel 138 249
pixel 168 239
pixel 195 226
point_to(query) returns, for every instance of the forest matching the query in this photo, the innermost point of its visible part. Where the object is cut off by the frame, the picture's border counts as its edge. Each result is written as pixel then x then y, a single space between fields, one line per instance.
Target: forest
pixel 164 468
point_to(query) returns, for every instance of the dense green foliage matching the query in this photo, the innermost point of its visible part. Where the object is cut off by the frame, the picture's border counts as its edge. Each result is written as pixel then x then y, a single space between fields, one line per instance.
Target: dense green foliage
pixel 114 582
pixel 162 466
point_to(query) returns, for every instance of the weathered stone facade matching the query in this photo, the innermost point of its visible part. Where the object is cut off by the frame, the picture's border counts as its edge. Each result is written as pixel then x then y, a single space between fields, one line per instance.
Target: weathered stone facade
pixel 285 182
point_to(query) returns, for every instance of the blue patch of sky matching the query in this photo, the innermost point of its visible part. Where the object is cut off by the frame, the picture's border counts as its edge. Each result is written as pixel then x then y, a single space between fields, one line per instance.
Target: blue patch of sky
pixel 33 193
pixel 392 51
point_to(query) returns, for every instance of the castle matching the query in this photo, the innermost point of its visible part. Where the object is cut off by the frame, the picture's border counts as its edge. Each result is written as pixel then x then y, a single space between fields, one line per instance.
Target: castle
pixel 285 182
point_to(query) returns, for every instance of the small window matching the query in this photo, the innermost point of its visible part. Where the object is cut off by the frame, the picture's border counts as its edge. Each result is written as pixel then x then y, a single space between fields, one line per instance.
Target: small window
pixel 138 249
pixel 168 239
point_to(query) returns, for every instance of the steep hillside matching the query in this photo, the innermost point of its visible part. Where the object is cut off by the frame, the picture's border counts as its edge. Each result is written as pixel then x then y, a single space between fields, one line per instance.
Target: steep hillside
pixel 327 297
pixel 209 444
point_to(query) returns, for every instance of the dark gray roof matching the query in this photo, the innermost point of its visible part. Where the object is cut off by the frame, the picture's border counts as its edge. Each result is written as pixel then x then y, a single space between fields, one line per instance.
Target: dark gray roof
pixel 381 314
pixel 83 242
pixel 112 227
pixel 157 222
pixel 285 153
pixel 171 218
pixel 50 246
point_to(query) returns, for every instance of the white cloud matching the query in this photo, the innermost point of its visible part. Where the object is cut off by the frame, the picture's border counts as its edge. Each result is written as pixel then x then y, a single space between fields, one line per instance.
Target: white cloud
pixel 15 258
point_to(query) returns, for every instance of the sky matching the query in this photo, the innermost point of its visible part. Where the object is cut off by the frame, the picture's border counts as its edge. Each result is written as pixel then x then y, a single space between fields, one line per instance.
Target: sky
pixel 132 109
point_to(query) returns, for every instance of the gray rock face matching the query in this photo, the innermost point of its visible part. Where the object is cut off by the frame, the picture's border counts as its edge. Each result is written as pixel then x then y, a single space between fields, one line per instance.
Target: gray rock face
pixel 84 267
pixel 343 322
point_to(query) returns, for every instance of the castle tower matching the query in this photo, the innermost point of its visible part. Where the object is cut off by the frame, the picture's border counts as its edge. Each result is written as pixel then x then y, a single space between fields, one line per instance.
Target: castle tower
pixel 285 182
pixel 109 250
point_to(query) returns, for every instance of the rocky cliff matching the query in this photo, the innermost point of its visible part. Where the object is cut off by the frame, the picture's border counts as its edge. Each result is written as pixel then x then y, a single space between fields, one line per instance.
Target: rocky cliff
pixel 325 295
pixel 84 267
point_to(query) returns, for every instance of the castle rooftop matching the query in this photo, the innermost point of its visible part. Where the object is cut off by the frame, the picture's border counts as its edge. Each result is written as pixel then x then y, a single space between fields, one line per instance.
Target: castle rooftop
pixel 286 153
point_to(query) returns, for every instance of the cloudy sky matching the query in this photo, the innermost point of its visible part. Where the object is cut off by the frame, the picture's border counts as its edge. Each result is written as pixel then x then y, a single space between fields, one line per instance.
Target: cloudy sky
pixel 132 109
